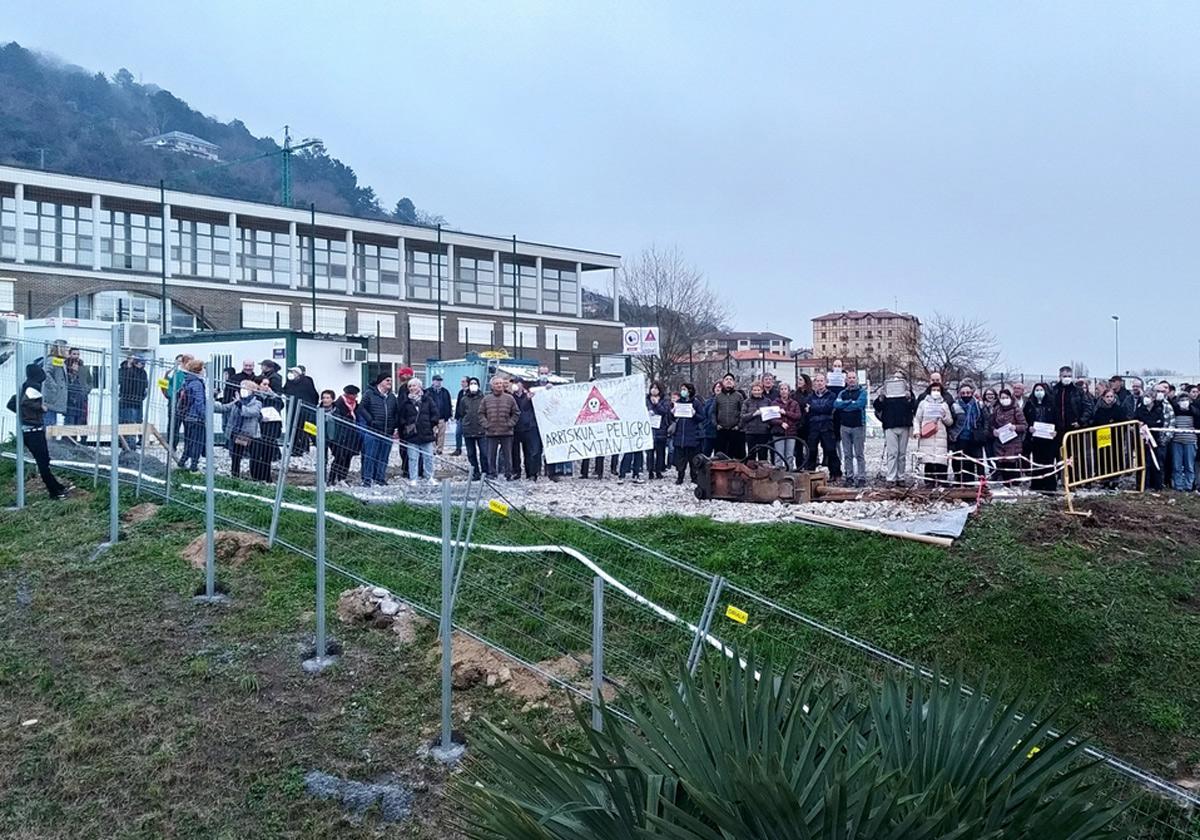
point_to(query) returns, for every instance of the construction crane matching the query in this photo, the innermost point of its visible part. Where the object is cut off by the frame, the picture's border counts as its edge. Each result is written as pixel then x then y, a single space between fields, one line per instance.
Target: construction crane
pixel 285 159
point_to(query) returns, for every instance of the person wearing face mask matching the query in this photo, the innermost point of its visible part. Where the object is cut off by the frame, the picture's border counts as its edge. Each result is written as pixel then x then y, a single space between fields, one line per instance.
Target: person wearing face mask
pixel 527 441
pixel 754 425
pixel 299 386
pixel 1183 441
pixel 470 421
pixel 708 426
pixel 1071 409
pixel 728 416
pixel 970 430
pixel 1008 419
pixel 463 384
pixel 687 430
pixel 657 406
pixel 1151 414
pixel 930 429
pixel 1043 452
pixel 242 426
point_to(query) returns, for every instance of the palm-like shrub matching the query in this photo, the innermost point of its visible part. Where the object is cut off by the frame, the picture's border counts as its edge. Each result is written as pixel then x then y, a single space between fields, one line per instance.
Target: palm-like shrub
pixel 732 755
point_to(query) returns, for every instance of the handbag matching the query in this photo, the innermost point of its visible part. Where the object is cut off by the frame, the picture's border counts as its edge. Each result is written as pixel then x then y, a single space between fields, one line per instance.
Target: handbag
pixel 929 428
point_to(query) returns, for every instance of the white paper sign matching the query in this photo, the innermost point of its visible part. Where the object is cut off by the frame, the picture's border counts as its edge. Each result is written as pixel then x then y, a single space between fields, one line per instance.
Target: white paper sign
pixel 655 421
pixel 590 419
pixel 1043 430
pixel 770 412
pixel 271 415
pixel 895 388
pixel 836 379
pixel 1006 433
pixel 683 409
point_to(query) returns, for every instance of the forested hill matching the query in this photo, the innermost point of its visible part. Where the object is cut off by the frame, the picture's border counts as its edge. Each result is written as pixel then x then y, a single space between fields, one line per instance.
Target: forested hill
pixel 89 124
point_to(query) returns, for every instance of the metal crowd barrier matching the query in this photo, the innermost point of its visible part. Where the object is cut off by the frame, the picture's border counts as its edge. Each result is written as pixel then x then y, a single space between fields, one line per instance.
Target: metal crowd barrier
pixel 1102 453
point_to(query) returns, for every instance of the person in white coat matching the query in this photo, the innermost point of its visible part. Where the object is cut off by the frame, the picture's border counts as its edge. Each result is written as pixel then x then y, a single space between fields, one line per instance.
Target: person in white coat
pixel 930 429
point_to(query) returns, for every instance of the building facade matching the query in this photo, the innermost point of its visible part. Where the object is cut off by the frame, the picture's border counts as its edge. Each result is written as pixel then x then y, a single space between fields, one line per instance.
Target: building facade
pixel 720 342
pixel 865 338
pixel 88 248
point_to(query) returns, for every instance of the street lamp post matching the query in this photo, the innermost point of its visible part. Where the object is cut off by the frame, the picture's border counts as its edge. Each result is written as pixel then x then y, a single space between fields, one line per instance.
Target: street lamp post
pixel 1117 343
pixel 439 293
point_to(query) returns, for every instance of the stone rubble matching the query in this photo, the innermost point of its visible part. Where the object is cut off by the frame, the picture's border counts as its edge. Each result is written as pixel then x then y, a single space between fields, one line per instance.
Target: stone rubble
pixel 365 606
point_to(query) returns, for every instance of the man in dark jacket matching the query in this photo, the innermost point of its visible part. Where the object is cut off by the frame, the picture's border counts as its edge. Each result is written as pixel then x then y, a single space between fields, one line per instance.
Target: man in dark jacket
pixel 727 412
pixel 527 442
pixel 1124 398
pixel 300 385
pixel 470 425
pixel 894 408
pixel 132 385
pixel 270 372
pixel 31 415
pixel 1070 405
pixel 381 418
pixel 820 428
pixel 441 401
pixel 247 372
pixel 463 387
pixel 850 418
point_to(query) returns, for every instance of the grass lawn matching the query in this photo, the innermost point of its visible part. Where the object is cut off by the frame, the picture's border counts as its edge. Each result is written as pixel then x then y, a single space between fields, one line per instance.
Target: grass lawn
pixel 160 718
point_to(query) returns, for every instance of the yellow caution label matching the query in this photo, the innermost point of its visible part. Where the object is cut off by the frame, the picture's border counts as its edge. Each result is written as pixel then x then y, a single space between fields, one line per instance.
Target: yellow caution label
pixel 497 506
pixel 1033 752
pixel 734 614
pixel 163 383
pixel 56 361
pixel 1103 438
pixel 310 429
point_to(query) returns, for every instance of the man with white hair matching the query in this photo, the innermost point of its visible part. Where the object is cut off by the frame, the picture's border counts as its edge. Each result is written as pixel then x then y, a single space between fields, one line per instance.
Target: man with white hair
pixel 500 414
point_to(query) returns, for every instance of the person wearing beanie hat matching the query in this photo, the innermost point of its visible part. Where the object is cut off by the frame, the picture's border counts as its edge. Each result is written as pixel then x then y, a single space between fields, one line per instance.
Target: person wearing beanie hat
pixel 346 438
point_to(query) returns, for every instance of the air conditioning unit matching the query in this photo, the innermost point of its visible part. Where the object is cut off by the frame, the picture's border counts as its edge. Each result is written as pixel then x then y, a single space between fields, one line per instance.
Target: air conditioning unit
pixel 139 336
pixel 353 355
pixel 10 328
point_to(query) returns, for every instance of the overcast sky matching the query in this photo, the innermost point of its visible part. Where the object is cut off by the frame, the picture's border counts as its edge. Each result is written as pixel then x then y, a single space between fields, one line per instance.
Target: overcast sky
pixel 1033 165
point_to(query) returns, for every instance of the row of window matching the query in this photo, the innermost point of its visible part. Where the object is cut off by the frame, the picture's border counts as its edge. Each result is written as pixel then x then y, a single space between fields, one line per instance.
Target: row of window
pixel 471 333
pixel 65 234
pixel 825 334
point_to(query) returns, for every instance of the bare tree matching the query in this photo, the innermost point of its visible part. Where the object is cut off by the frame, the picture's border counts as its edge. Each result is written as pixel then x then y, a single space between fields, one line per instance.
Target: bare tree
pixel 660 289
pixel 953 347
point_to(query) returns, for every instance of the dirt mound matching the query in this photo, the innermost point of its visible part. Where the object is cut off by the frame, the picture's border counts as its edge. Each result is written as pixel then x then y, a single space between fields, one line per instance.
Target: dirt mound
pixel 375 607
pixel 139 513
pixel 229 548
pixel 475 664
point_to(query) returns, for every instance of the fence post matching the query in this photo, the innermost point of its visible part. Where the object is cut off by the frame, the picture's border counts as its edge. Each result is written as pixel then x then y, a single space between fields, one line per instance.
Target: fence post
pixel 597 651
pixel 99 412
pixel 284 456
pixel 18 431
pixel 114 442
pixel 172 421
pixel 321 659
pixel 151 383
pixel 706 617
pixel 210 596
pixel 446 750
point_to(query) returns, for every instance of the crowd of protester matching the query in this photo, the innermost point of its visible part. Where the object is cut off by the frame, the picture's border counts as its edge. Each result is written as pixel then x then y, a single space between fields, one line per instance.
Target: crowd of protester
pixel 1010 434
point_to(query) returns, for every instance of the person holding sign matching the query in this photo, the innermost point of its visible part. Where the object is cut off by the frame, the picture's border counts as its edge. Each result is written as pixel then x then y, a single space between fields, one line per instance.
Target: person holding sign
pixel 850 413
pixel 894 408
pixel 786 426
pixel 659 409
pixel 931 426
pixel 1041 419
pixel 688 416
pixel 757 411
pixel 1008 432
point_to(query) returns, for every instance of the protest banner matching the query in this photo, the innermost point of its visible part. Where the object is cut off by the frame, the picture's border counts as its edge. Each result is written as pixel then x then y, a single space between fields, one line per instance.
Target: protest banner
pixel 590 419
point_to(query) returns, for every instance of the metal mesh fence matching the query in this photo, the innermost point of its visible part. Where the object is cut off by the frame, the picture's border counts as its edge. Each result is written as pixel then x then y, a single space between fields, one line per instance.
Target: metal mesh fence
pixel 587 607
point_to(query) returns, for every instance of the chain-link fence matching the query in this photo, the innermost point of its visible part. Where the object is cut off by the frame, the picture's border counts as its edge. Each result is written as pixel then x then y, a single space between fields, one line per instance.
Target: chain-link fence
pixel 357 486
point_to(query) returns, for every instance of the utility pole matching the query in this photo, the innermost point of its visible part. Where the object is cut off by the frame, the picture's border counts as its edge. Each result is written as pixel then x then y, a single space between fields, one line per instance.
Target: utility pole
pixel 439 288
pixel 285 164
pixel 516 286
pixel 1117 343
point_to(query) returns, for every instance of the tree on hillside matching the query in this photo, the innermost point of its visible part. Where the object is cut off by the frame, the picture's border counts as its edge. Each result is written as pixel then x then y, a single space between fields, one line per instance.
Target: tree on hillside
pixel 660 289
pixel 405 211
pixel 953 347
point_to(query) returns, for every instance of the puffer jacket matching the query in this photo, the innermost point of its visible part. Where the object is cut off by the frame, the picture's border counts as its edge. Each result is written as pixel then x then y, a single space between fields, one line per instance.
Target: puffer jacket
pixel 1044 411
pixel 662 410
pixel 380 412
pixel 193 398
pixel 728 409
pixel 932 449
pixel 1001 417
pixel 752 421
pixel 245 417
pixel 419 419
pixel 820 411
pixel 708 426
pixel 466 411
pixel 688 430
pixel 979 432
pixel 1103 414
pixel 1071 406
pixel 500 414
pixel 850 407
pixel 54 389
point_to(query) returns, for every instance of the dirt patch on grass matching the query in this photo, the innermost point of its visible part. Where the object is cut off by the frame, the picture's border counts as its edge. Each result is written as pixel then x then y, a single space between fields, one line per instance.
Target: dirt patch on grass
pixel 231 548
pixel 139 513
